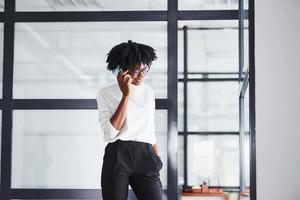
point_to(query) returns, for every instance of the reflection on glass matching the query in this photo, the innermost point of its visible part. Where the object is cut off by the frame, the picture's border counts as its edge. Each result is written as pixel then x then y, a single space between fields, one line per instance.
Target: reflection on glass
pixel 1 58
pixel 215 158
pixel 207 5
pixel 68 59
pixel 64 148
pixel 212 45
pixel 213 106
pixel 89 5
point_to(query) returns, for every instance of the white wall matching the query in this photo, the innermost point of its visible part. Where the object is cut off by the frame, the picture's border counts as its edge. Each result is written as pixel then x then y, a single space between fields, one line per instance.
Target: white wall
pixel 277 52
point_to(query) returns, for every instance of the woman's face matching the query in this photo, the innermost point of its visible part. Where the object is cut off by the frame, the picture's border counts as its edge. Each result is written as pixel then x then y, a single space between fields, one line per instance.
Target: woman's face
pixel 138 73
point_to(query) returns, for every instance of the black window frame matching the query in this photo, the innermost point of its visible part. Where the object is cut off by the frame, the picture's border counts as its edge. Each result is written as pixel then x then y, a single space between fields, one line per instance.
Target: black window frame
pixel 7 104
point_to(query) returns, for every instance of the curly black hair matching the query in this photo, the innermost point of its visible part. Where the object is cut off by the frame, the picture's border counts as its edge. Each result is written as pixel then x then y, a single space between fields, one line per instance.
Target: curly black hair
pixel 129 54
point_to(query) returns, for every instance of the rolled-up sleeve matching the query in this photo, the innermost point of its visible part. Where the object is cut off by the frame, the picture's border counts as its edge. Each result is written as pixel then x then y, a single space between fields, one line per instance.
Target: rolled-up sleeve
pixel 104 115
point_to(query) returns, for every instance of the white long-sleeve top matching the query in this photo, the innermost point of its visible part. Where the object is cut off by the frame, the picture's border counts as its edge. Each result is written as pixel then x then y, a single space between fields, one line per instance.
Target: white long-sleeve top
pixel 139 121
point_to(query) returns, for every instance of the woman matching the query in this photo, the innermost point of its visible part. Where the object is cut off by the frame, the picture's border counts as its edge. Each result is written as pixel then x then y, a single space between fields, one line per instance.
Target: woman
pixel 126 115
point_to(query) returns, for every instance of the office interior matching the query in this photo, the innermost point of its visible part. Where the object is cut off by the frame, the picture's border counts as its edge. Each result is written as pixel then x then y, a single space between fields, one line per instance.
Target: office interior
pixel 225 83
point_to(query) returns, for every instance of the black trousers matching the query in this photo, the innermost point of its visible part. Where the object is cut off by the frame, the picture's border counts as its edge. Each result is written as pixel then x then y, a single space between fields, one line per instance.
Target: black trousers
pixel 131 163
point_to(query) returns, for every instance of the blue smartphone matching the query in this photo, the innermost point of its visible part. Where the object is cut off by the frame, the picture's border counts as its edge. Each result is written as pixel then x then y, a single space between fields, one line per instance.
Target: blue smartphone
pixel 117 70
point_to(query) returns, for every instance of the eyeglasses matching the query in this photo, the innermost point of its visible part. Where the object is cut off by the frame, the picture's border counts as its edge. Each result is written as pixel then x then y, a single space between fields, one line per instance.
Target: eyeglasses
pixel 136 71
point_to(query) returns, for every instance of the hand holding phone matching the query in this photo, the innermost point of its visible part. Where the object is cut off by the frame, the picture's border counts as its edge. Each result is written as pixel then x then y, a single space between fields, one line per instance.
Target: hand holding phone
pixel 124 81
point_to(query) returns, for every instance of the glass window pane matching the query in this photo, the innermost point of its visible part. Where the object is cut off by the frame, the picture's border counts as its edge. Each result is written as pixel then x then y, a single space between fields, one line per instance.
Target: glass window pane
pixel 161 127
pixel 212 45
pixel 246 4
pixel 246 48
pixel 180 53
pixel 247 160
pixel 56 149
pixel 64 148
pixel 207 5
pixel 68 60
pixel 89 5
pixel 247 138
pixel 215 158
pixel 247 111
pixel 180 106
pixel 180 160
pixel 213 106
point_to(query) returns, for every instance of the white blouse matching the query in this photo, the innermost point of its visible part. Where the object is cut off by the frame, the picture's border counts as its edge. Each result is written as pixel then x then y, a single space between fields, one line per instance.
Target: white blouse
pixel 139 121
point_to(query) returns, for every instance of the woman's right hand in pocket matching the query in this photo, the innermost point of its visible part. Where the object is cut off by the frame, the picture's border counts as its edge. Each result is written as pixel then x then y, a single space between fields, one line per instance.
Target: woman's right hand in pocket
pixel 124 82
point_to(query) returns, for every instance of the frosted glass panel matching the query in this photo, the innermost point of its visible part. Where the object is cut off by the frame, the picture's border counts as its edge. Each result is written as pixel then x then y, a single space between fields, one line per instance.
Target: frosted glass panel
pixel 246 4
pixel 213 106
pixel 246 48
pixel 180 161
pixel 89 5
pixel 161 126
pixel 68 60
pixel 64 148
pixel 215 158
pixel 212 45
pixel 247 138
pixel 180 106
